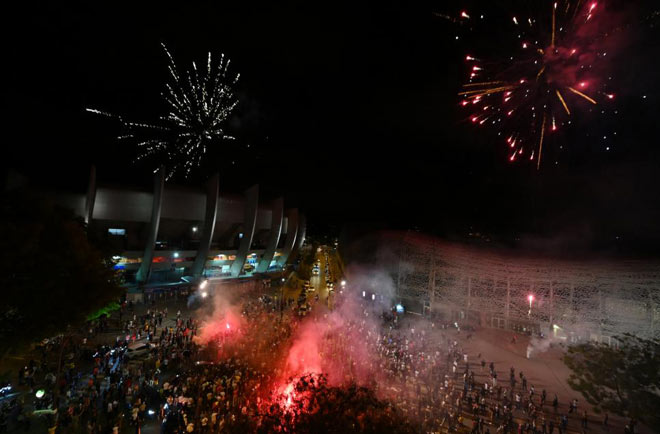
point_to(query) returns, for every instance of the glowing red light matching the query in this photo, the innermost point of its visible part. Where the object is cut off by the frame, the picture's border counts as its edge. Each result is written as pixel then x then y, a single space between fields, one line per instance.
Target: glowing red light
pixel 510 113
pixel 524 45
pixel 530 298
pixel 465 14
pixel 468 57
pixel 592 7
pixel 227 326
pixel 583 84
pixel 464 103
pixel 474 119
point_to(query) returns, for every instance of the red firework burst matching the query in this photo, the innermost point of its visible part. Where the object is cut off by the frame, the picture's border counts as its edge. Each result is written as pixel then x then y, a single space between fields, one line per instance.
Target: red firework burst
pixel 553 73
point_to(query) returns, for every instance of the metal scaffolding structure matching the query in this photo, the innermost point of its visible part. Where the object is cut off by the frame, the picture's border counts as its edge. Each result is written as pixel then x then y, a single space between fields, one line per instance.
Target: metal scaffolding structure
pixel 498 288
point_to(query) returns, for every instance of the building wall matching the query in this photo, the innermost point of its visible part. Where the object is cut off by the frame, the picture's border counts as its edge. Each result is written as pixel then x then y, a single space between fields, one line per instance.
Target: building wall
pixel 491 288
pixel 182 210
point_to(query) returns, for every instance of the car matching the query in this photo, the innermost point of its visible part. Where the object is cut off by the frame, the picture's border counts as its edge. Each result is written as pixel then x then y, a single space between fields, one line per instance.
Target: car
pixel 138 349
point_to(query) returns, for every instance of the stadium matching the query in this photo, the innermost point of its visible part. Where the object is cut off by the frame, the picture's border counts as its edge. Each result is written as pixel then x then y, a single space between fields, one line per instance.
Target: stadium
pixel 172 234
pixel 482 286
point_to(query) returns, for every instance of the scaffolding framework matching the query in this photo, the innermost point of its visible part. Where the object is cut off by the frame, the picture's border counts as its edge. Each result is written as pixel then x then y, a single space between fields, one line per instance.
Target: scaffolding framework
pixel 596 300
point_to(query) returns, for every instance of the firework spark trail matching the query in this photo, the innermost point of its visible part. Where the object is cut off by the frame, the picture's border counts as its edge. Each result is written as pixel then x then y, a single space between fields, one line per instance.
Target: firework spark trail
pixel 558 57
pixel 198 104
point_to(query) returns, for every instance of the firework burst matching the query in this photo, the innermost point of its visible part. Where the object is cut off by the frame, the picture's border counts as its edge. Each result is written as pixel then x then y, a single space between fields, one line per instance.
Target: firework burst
pixel 552 75
pixel 199 102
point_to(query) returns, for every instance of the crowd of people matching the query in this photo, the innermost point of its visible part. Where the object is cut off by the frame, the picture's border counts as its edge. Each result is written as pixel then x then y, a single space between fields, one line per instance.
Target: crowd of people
pixel 228 382
pixel 423 367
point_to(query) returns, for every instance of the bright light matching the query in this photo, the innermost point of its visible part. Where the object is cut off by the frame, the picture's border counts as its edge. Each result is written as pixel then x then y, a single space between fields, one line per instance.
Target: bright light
pixel 204 294
pixel 151 412
pixel 364 293
pixel 343 283
pixel 399 308
pixel 40 393
pixel 465 15
pixel 227 326
pixel 373 296
pixel 176 254
pixel 194 229
pixel 530 298
pixel 203 284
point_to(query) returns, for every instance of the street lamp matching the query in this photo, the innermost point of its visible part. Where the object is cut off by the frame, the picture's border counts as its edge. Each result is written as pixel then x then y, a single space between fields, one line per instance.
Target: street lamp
pixel 531 299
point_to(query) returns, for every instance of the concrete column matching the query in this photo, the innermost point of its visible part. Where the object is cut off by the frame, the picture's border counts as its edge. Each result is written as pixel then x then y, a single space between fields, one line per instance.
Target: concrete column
pixel 432 279
pixel 508 302
pixel 249 224
pixel 291 233
pixel 652 314
pixel 210 216
pixel 552 304
pixel 145 267
pixel 277 216
pixel 302 228
pixel 469 290
pixel 91 196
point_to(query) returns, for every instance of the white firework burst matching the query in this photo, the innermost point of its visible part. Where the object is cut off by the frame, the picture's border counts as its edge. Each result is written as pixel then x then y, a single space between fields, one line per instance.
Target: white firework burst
pixel 199 102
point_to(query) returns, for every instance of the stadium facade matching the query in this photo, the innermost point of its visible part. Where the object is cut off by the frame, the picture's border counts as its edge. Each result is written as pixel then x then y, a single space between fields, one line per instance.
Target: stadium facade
pixel 171 234
pixel 498 288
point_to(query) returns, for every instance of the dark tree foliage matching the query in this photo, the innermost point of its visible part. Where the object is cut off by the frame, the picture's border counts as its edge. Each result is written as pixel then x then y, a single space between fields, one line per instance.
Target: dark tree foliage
pixel 316 407
pixel 51 275
pixel 623 380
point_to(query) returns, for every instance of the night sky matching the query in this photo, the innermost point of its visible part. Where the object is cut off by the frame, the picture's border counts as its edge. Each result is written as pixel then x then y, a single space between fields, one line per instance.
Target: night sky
pixel 350 110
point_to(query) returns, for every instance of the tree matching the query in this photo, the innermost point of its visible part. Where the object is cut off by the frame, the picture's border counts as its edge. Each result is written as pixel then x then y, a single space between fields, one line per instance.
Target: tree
pixel 623 380
pixel 51 275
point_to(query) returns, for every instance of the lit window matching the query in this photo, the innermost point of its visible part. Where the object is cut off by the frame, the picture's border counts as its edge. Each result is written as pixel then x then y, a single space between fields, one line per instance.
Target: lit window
pixel 115 231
